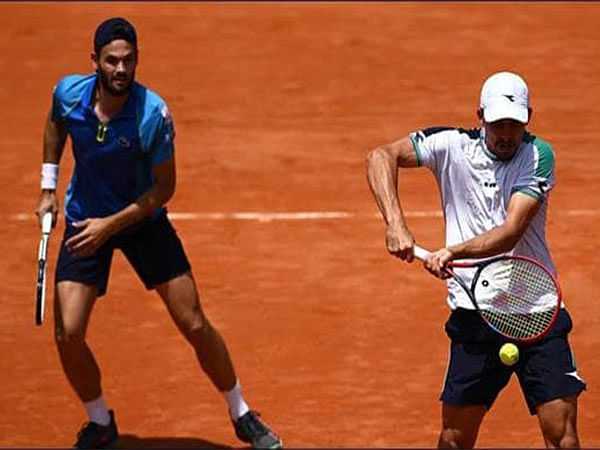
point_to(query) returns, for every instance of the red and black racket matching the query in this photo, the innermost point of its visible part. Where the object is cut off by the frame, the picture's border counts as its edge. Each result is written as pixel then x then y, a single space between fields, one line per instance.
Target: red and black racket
pixel 515 295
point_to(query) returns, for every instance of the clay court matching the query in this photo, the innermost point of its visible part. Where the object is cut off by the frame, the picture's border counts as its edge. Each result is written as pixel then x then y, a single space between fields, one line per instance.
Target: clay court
pixel 336 343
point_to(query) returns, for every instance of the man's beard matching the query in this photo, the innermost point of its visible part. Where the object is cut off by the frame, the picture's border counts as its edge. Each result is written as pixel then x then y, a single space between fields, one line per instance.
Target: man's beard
pixel 505 149
pixel 117 92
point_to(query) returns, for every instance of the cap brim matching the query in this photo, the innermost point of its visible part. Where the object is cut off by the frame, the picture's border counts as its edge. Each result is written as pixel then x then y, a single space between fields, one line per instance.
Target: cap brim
pixel 513 111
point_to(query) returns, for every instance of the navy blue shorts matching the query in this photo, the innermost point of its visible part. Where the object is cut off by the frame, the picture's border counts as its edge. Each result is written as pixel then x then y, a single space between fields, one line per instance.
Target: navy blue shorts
pixel 475 376
pixel 151 246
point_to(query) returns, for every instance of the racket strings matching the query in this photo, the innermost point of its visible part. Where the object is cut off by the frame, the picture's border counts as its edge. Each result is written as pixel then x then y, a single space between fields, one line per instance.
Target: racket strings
pixel 517 297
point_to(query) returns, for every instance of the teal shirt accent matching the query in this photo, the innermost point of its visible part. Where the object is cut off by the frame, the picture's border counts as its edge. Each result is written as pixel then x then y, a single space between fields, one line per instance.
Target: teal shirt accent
pixel 545 155
pixel 416 149
pixel 531 193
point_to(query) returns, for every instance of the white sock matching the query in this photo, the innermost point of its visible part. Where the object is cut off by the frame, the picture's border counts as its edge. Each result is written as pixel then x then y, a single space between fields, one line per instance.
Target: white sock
pixel 97 411
pixel 235 400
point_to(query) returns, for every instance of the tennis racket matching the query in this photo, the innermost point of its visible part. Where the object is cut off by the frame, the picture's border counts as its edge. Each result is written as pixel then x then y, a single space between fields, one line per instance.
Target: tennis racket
pixel 40 297
pixel 515 295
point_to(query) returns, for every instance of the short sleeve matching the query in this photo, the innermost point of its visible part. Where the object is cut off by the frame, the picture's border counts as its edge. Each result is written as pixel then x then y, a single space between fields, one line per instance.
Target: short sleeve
pixel 537 177
pixel 432 145
pixel 65 95
pixel 155 125
pixel 57 110
pixel 163 145
pixel 61 101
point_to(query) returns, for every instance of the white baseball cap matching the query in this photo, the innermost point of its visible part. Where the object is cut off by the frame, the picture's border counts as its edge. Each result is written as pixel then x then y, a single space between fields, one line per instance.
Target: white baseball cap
pixel 504 95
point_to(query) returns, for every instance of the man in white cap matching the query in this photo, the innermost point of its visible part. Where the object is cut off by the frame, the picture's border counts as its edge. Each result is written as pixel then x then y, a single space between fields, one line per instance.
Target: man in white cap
pixel 494 183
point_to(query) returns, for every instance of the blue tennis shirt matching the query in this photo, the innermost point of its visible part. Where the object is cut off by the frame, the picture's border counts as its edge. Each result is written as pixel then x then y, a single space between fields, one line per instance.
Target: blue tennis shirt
pixel 113 162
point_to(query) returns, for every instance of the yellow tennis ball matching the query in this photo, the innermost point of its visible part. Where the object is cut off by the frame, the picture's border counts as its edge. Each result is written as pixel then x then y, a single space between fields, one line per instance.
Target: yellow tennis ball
pixel 509 354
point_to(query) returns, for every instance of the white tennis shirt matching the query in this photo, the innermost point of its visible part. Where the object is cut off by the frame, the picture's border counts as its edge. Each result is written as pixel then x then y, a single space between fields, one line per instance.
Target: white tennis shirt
pixel 476 188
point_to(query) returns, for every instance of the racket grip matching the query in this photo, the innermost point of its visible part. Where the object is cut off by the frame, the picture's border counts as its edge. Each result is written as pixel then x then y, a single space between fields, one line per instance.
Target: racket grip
pixel 47 222
pixel 420 253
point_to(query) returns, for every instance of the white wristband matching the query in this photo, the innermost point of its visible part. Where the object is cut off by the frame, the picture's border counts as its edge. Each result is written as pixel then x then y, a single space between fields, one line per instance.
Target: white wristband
pixel 49 176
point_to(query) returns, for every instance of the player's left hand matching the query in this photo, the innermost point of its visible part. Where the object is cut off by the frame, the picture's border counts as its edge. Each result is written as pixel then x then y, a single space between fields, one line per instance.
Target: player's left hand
pixel 437 261
pixel 94 232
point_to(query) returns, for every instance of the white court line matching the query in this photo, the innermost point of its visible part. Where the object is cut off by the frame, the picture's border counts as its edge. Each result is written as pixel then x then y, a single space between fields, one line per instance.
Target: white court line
pixel 583 212
pixel 263 216
pixel 299 215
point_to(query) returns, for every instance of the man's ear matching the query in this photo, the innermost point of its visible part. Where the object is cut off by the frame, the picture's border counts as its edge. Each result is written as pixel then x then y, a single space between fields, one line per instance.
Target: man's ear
pixel 480 114
pixel 529 114
pixel 94 59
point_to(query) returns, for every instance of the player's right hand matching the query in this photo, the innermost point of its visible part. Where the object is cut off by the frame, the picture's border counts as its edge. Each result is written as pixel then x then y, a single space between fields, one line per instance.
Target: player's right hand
pixel 48 203
pixel 400 242
pixel 437 261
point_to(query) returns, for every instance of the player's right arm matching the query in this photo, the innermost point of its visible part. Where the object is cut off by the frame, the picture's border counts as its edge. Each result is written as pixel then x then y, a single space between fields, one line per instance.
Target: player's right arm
pixel 382 174
pixel 55 136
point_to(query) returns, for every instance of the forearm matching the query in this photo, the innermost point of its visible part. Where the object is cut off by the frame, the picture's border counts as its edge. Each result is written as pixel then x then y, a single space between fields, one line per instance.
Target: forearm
pixel 382 175
pixel 498 240
pixel 55 136
pixel 153 198
pixel 521 210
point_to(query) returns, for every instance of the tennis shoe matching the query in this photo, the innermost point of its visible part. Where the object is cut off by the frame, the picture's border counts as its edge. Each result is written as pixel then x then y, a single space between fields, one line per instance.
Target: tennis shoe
pixel 249 428
pixel 93 435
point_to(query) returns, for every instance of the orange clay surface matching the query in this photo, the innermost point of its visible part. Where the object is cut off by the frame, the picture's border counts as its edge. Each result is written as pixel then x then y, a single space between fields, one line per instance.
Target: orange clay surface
pixel 335 342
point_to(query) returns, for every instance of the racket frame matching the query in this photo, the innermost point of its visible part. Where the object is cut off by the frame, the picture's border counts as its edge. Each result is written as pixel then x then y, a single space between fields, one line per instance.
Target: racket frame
pixel 423 254
pixel 40 297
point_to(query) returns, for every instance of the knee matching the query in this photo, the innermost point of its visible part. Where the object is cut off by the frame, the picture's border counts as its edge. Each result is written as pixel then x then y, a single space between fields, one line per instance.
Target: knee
pixel 560 428
pixel 196 326
pixel 567 440
pixel 200 335
pixel 453 438
pixel 67 335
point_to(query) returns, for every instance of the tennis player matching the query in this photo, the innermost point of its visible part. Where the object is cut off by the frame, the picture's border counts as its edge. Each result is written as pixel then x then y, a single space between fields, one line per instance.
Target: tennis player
pixel 122 136
pixel 494 183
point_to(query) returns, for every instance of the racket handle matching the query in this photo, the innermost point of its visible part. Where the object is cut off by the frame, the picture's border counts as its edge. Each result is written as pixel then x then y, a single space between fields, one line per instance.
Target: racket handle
pixel 420 253
pixel 47 223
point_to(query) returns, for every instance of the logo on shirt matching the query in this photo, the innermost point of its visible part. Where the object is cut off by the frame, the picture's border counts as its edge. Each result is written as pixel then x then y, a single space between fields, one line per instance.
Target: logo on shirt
pixel 124 142
pixel 101 132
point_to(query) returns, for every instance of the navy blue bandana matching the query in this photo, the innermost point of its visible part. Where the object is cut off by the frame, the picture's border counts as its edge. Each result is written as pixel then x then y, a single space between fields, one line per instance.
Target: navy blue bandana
pixel 112 29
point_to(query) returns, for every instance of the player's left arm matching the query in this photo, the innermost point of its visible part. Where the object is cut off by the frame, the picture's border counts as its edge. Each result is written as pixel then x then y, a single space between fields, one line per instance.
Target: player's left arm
pixel 155 197
pixel 95 231
pixel 521 209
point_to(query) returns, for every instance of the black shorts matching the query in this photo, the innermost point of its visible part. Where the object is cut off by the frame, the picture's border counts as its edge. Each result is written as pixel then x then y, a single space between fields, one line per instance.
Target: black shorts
pixel 546 369
pixel 151 246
